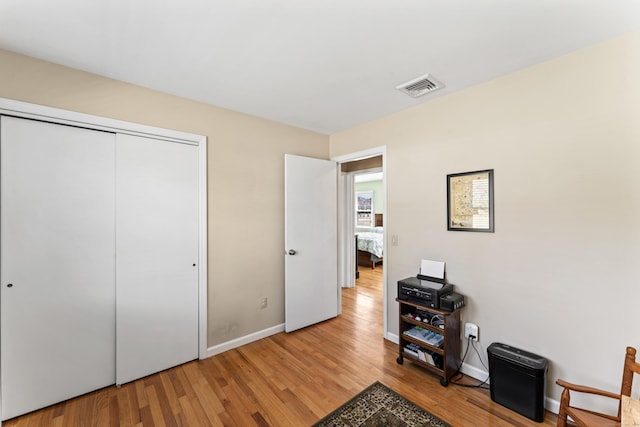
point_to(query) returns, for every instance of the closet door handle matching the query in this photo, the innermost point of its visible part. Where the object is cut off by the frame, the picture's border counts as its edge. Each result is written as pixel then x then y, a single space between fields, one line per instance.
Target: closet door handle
pixel 292 252
pixel 10 285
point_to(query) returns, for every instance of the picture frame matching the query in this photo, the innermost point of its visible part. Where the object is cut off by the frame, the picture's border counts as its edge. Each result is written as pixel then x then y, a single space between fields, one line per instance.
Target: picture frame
pixel 364 209
pixel 470 201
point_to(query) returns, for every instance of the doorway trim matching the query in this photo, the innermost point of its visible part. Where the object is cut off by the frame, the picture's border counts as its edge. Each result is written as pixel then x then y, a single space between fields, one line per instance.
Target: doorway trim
pixel 346 244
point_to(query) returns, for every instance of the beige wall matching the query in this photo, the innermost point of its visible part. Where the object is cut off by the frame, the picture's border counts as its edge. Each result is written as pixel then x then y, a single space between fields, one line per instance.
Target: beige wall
pixel 246 180
pixel 560 275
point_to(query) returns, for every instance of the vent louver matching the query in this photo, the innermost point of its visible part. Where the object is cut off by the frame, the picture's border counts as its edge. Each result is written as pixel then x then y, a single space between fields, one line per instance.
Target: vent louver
pixel 420 86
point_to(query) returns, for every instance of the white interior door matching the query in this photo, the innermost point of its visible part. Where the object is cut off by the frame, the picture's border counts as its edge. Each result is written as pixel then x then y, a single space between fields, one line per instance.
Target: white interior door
pixel 311 245
pixel 157 255
pixel 57 263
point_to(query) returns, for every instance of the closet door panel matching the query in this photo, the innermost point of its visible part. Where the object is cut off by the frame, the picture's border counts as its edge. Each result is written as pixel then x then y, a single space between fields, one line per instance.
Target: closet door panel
pixel 57 263
pixel 156 252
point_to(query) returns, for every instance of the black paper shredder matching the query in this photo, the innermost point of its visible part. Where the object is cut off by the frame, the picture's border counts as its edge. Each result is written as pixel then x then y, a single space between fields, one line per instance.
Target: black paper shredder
pixel 518 380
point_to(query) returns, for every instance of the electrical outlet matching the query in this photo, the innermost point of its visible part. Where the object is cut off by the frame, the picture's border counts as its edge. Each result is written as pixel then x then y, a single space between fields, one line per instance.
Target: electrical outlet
pixel 471 330
pixel 263 302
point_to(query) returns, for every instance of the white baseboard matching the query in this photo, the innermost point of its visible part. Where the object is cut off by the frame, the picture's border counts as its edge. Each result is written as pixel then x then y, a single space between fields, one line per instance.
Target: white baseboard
pixel 238 342
pixel 551 405
pixel 473 372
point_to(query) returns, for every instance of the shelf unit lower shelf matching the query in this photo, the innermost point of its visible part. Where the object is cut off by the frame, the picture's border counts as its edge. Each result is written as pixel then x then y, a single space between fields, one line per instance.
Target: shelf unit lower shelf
pixel 445 354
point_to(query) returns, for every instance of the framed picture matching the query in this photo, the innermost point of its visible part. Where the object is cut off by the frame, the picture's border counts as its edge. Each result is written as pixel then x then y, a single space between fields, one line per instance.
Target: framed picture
pixel 470 201
pixel 364 209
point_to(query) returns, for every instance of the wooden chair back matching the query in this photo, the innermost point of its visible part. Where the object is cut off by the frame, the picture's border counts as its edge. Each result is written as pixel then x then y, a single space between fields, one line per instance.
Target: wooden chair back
pixel 631 368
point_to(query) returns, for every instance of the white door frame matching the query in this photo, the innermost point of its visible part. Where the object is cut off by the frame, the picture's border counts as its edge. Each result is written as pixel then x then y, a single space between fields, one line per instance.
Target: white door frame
pixel 346 242
pixel 72 118
pixel 347 196
pixel 346 251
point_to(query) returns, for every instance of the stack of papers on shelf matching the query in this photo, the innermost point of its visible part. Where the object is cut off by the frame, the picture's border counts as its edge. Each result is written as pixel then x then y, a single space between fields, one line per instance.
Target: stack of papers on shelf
pixel 426 356
pixel 412 349
pixel 425 335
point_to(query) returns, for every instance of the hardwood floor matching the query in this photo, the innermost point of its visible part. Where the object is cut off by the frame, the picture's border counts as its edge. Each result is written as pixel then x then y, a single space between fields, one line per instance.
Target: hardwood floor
pixel 284 380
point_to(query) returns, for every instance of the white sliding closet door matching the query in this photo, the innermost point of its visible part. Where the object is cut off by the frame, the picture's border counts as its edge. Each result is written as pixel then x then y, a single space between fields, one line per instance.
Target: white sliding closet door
pixel 57 263
pixel 157 255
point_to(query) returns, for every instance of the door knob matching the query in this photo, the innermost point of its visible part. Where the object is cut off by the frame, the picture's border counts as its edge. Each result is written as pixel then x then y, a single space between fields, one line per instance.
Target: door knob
pixel 292 252
pixel 10 285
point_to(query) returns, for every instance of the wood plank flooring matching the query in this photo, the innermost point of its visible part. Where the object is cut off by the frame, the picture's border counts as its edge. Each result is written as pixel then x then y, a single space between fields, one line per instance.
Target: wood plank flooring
pixel 284 380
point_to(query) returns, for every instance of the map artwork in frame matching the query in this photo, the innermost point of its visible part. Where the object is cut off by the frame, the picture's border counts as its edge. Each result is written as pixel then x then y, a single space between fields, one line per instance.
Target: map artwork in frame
pixel 470 201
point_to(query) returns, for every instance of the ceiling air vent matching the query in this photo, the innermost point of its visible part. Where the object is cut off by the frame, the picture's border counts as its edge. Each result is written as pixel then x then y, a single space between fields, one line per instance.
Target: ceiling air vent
pixel 420 86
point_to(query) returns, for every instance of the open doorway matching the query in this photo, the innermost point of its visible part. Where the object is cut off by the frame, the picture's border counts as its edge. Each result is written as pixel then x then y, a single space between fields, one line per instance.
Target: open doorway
pixel 362 221
pixel 368 220
pixel 369 246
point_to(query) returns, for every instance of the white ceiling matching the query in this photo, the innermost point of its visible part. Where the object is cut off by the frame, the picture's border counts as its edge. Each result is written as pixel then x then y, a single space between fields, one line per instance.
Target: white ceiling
pixel 323 65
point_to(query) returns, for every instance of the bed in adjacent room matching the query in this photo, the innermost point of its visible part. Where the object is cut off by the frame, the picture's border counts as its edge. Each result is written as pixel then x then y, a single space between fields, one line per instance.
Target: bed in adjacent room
pixel 369 247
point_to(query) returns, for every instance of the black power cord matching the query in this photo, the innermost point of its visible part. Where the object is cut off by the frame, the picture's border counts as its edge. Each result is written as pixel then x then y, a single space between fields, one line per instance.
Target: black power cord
pixel 458 375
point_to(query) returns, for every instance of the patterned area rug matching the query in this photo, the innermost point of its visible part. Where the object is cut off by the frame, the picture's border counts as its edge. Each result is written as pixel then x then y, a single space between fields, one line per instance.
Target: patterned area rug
pixel 378 406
